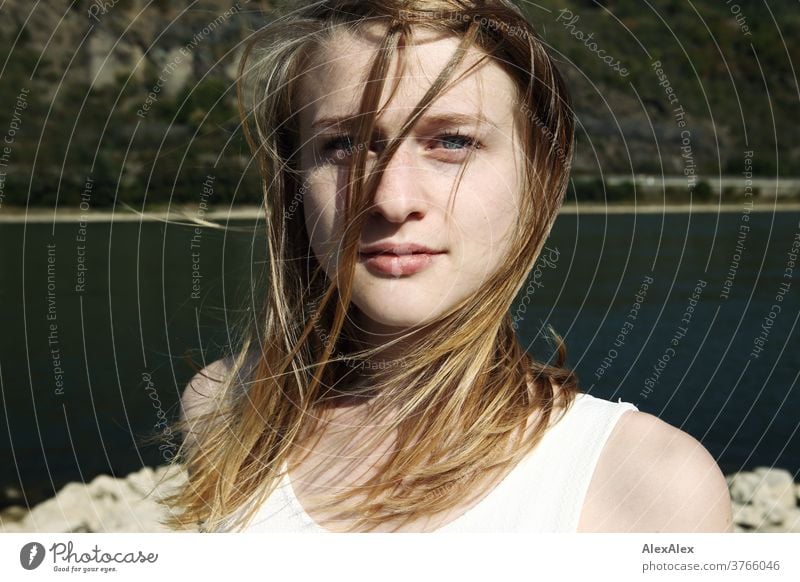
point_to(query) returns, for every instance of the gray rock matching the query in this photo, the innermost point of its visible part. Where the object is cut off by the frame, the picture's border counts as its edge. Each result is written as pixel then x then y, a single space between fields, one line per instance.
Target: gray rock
pixel 109 60
pixel 176 70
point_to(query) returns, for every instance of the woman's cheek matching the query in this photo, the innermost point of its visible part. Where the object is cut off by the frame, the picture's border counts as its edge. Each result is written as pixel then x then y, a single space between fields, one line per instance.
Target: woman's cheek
pixel 487 235
pixel 484 220
pixel 318 229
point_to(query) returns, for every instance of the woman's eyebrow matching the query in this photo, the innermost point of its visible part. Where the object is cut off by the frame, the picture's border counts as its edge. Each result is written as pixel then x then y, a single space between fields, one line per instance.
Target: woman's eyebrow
pixel 432 120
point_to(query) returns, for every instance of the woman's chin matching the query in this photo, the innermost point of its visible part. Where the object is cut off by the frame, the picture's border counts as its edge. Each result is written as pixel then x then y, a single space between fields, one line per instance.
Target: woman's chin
pixel 396 317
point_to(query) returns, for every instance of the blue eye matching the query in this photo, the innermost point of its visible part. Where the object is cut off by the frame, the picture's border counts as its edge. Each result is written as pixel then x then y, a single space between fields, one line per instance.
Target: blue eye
pixel 457 138
pixel 339 147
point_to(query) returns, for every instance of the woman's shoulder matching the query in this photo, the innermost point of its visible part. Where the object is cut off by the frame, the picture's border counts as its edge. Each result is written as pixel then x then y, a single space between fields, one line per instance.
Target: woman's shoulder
pixel 202 389
pixel 202 394
pixel 204 386
pixel 654 477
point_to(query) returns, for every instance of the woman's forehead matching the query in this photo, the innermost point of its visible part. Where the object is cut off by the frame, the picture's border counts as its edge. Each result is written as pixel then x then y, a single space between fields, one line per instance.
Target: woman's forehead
pixel 332 88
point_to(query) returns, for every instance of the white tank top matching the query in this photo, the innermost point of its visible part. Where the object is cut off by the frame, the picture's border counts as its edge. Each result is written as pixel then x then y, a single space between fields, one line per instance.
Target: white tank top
pixel 544 492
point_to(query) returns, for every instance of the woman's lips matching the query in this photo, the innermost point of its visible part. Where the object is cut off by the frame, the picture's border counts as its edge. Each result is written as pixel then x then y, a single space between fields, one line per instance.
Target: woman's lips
pixel 397 265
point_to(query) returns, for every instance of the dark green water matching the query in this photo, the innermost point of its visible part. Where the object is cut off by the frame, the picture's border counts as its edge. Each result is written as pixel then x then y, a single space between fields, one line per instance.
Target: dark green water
pixel 80 397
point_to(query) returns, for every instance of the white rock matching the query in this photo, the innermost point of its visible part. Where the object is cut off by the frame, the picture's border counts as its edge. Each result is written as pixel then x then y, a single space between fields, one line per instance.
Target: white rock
pixel 774 513
pixel 63 513
pixel 142 480
pixel 742 486
pixel 106 504
pixel 747 515
pixel 792 522
pixel 12 528
pixel 775 486
pixel 115 490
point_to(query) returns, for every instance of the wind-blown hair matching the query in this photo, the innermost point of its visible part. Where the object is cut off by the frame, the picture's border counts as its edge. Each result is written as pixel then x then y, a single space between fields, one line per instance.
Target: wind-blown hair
pixel 458 401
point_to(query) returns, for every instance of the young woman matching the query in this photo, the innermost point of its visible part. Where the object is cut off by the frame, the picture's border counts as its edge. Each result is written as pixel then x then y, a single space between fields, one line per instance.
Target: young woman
pixel 414 157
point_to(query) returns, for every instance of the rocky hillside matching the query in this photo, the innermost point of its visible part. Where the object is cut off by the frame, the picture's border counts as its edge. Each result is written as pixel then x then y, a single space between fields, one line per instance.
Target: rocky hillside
pixel 138 95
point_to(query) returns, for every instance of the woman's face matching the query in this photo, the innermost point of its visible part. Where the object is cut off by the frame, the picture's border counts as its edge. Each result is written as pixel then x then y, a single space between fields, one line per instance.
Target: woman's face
pixel 413 205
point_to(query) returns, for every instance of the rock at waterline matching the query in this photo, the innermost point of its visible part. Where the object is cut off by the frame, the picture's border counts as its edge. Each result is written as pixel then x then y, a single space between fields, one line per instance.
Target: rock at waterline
pixel 104 505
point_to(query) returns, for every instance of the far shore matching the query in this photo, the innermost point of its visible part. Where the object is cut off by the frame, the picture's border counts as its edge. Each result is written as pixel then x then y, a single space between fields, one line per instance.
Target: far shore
pixel 177 213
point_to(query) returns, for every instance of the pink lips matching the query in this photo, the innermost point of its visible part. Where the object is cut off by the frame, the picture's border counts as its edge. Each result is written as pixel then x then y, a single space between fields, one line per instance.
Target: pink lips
pixel 397 259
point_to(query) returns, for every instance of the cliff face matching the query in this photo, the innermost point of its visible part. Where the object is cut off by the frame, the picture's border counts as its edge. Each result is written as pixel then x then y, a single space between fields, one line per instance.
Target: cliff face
pixel 109 42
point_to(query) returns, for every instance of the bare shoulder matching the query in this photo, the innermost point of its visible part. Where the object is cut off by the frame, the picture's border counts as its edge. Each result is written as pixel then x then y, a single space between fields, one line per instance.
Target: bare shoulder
pixel 199 397
pixel 654 477
pixel 203 387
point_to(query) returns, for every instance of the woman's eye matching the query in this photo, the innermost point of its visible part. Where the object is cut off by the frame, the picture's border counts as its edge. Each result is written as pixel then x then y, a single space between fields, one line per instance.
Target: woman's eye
pixel 338 146
pixel 456 139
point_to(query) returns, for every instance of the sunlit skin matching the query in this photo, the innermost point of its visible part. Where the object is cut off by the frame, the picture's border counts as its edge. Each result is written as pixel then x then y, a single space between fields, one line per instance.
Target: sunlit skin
pixel 412 203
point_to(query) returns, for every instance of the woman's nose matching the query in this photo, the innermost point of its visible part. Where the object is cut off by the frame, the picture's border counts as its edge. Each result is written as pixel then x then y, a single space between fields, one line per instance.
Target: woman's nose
pixel 400 194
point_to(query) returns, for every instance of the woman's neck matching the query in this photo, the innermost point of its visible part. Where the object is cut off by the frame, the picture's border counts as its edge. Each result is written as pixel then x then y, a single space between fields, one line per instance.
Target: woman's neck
pixel 395 343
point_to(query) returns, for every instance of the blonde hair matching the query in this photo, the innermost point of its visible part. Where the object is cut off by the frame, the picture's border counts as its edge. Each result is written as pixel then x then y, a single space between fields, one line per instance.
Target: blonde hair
pixel 460 397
